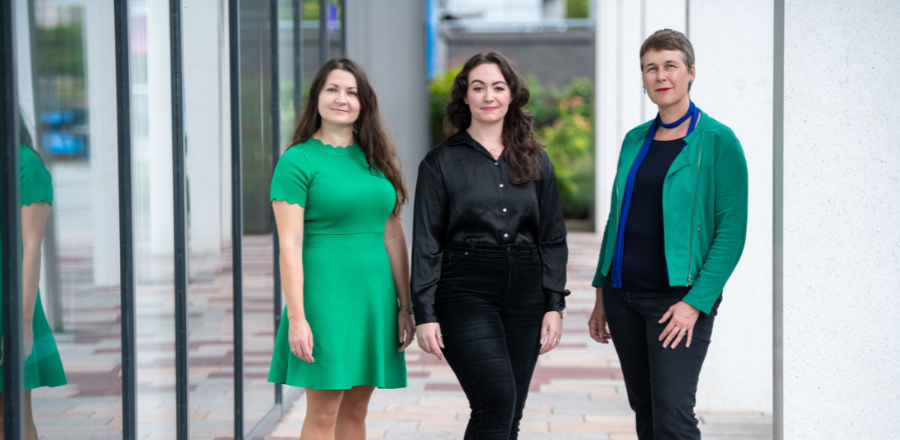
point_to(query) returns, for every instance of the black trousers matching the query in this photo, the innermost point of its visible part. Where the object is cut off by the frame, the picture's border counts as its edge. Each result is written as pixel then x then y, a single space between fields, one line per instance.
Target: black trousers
pixel 661 382
pixel 490 305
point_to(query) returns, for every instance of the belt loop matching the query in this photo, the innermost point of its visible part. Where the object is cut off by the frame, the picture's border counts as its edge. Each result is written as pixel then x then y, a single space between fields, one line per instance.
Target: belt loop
pixel 472 247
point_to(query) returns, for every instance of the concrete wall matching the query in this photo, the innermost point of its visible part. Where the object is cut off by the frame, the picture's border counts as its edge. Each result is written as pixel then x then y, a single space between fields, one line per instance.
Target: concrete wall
pixel 733 47
pixel 837 204
pixel 555 57
pixel 389 43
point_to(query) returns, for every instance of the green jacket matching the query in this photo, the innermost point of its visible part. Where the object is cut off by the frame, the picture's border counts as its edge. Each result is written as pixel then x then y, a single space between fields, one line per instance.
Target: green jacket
pixel 704 210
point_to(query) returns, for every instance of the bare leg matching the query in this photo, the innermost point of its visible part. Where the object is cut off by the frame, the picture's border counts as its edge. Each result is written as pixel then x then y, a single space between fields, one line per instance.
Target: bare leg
pixel 321 414
pixel 351 420
pixel 30 429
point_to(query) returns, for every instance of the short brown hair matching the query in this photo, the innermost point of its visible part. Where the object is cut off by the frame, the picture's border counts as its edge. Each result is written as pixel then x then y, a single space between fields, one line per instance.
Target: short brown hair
pixel 667 39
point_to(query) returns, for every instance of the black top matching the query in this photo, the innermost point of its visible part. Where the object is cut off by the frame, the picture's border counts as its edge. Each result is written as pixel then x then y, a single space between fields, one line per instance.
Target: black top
pixel 644 267
pixel 464 195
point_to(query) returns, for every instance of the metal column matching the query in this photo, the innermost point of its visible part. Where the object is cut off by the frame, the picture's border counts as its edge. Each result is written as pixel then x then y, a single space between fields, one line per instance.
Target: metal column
pixel 237 224
pixel 324 43
pixel 276 153
pixel 343 19
pixel 180 214
pixel 298 59
pixel 126 223
pixel 10 210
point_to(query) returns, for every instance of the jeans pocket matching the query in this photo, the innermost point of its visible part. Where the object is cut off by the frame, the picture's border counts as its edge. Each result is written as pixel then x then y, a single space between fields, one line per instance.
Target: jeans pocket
pixel 453 258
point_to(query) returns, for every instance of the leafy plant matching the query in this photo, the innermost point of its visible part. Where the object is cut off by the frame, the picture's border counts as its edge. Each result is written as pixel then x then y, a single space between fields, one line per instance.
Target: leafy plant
pixel 439 96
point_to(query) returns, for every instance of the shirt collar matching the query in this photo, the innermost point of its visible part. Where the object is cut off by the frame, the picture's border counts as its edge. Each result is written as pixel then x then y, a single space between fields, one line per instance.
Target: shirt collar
pixel 464 138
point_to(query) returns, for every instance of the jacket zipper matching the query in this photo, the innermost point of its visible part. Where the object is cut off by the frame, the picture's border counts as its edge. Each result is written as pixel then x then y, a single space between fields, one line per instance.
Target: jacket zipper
pixel 694 208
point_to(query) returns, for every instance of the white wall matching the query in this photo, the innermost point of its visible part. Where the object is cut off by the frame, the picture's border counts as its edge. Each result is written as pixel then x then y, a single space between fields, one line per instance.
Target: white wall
pixel 159 98
pixel 840 239
pixel 737 375
pixel 200 25
pixel 733 49
pixel 101 90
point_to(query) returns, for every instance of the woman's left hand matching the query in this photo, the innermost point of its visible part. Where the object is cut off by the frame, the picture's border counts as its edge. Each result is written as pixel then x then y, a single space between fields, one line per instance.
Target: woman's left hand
pixel 551 331
pixel 683 317
pixel 406 328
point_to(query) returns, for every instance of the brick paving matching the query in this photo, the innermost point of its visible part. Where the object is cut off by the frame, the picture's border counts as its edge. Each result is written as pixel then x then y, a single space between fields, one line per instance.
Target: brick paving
pixel 577 391
pixel 89 407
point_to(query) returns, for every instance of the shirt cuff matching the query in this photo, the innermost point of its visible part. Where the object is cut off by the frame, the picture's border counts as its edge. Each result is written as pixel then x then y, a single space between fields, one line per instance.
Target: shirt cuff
pixel 425 314
pixel 555 301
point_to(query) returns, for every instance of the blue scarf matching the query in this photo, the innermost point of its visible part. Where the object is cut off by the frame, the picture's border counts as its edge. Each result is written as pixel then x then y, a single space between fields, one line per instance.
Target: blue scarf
pixel 693 113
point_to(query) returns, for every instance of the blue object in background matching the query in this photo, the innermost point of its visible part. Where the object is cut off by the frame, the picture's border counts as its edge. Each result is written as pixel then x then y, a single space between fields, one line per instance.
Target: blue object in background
pixel 431 34
pixel 63 144
pixel 64 132
pixel 332 17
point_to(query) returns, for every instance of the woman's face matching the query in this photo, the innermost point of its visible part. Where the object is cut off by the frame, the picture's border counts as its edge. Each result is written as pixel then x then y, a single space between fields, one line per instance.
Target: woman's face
pixel 666 76
pixel 488 95
pixel 339 99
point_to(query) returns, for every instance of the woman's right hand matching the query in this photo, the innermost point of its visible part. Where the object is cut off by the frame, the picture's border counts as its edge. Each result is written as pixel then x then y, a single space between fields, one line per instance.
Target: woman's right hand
pixel 430 339
pixel 300 338
pixel 597 323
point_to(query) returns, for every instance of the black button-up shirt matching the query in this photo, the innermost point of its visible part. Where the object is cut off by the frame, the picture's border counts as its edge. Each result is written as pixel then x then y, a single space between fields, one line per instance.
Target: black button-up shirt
pixel 464 195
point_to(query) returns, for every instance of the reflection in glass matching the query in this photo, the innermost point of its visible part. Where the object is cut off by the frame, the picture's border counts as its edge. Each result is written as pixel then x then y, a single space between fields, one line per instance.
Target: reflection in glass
pixel 43 367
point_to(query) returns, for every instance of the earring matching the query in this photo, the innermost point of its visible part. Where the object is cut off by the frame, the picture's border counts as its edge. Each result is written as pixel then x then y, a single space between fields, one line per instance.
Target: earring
pixel 645 90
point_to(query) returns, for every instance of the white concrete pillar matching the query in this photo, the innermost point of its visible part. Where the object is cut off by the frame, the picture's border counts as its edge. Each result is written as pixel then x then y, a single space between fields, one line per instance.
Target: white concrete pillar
pixel 103 152
pixel 224 115
pixel 733 50
pixel 159 99
pixel 388 41
pixel 837 201
pixel 621 104
pixel 205 146
pixel 608 102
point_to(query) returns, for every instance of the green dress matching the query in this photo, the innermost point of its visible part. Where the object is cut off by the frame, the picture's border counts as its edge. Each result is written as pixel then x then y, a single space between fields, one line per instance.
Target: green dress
pixel 348 291
pixel 43 368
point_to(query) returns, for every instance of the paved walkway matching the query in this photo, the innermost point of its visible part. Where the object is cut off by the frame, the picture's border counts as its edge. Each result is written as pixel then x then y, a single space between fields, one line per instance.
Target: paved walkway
pixel 577 391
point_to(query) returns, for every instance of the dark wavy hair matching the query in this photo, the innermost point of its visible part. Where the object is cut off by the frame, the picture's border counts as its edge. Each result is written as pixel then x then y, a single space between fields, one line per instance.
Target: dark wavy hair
pixel 369 128
pixel 521 149
pixel 25 137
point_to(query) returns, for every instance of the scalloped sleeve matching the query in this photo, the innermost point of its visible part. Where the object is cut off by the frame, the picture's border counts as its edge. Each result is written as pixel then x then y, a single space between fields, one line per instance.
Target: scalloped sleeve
pixel 36 185
pixel 292 177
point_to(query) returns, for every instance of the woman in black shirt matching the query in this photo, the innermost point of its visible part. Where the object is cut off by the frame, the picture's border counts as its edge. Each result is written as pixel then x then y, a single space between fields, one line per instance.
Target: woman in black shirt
pixel 489 246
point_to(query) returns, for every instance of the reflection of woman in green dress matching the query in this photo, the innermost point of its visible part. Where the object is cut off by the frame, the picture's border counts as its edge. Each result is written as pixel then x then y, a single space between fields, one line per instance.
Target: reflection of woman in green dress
pixel 42 364
pixel 337 195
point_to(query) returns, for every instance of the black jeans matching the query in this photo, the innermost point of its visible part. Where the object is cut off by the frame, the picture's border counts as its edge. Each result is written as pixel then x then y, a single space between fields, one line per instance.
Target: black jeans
pixel 490 306
pixel 661 382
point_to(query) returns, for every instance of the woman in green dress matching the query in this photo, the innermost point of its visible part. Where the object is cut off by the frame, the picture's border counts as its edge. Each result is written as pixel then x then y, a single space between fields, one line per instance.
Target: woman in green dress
pixel 43 367
pixel 337 194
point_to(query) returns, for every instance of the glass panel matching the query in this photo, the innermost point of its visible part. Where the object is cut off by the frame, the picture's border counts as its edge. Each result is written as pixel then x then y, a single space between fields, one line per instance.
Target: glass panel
pixel 256 140
pixel 153 224
pixel 208 161
pixel 71 82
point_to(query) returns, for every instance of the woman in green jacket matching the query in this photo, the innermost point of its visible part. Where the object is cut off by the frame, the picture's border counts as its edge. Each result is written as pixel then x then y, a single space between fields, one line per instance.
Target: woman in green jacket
pixel 676 230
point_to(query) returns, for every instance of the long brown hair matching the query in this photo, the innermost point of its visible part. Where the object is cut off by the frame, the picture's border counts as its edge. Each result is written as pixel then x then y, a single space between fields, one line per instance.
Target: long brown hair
pixel 521 149
pixel 369 128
